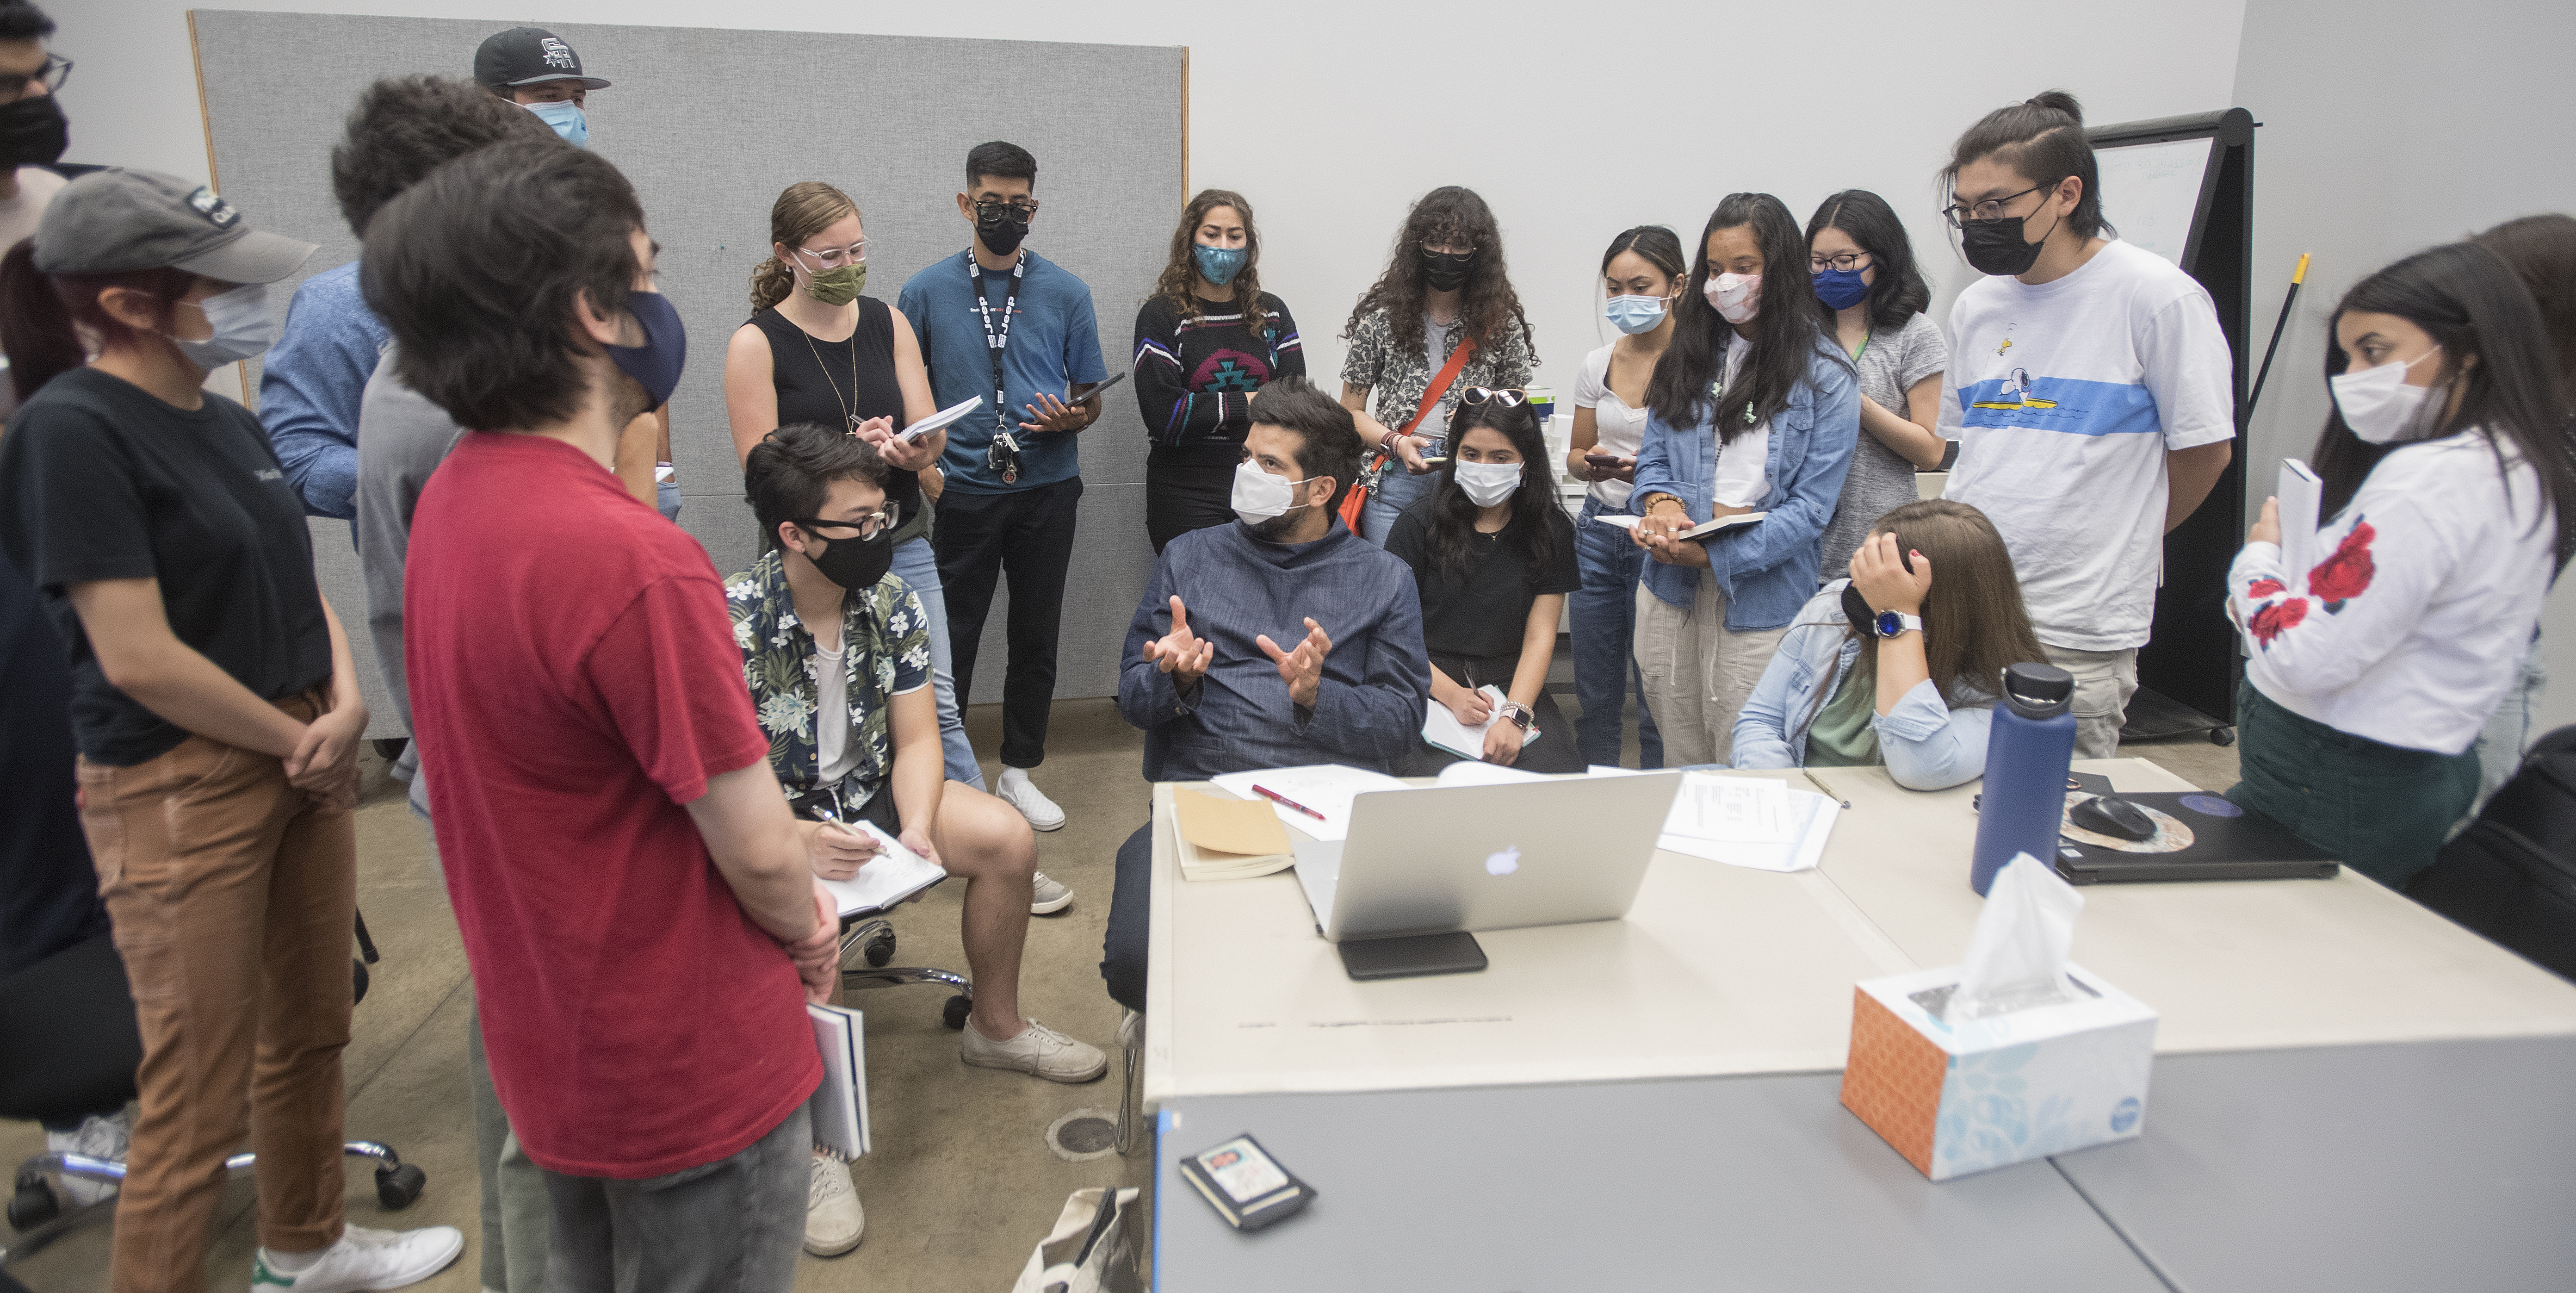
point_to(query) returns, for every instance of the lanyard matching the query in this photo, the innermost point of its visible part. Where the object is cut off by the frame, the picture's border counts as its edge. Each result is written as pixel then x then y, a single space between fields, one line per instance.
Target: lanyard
pixel 996 342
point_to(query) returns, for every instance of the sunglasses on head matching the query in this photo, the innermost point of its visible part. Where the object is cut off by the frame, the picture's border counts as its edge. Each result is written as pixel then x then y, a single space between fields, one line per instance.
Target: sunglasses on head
pixel 1481 395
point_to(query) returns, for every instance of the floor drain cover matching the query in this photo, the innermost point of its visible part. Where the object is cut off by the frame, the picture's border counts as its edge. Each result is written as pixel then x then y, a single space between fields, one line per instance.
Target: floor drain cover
pixel 1084 1134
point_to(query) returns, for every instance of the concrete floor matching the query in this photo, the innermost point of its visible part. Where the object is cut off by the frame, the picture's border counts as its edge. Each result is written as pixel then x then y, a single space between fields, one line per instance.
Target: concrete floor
pixel 962 1184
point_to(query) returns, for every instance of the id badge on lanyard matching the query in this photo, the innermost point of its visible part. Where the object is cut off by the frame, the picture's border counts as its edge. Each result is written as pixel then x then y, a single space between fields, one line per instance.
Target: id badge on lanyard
pixel 1003 454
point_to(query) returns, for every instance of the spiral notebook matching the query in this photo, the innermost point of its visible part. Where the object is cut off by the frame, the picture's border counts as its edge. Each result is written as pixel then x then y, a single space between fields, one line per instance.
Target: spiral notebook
pixel 839 1107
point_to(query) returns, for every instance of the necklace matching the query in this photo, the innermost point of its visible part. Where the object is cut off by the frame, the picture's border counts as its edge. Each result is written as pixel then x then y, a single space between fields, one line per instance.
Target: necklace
pixel 849 414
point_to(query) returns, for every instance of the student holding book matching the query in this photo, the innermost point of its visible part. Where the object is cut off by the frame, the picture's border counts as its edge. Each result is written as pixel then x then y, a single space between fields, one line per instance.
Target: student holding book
pixel 1752 409
pixel 1897 664
pixel 2448 480
pixel 1880 305
pixel 1493 558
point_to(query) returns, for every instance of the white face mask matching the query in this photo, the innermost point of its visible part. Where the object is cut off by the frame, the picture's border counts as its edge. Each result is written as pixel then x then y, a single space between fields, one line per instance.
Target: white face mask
pixel 2379 406
pixel 1260 496
pixel 242 325
pixel 1738 297
pixel 1488 483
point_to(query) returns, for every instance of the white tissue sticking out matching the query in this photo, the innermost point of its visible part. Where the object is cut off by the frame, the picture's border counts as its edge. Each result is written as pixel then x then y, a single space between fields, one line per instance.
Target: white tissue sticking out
pixel 2017 956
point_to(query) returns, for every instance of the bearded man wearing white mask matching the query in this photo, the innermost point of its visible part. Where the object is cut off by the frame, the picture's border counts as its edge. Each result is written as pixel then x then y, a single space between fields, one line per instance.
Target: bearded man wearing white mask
pixel 1279 641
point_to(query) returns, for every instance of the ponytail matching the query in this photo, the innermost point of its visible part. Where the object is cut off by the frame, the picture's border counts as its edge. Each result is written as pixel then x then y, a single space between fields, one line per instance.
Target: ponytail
pixel 771 281
pixel 46 319
pixel 2042 138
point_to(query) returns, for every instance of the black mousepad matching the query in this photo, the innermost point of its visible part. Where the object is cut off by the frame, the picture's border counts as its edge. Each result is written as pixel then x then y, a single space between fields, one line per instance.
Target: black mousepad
pixel 2229 842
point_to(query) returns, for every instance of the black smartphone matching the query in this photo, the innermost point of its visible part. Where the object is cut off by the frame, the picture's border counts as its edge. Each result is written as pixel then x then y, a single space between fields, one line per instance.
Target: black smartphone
pixel 1085 390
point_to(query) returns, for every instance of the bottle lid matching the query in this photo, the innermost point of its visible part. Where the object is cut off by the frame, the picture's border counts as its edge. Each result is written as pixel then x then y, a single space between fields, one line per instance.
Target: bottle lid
pixel 2038 690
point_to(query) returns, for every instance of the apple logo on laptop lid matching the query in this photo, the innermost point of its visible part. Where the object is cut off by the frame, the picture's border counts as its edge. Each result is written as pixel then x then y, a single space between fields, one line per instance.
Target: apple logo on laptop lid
pixel 1503 863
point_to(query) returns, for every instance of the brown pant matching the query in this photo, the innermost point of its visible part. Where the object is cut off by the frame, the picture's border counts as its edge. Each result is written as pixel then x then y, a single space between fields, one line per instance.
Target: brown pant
pixel 234 898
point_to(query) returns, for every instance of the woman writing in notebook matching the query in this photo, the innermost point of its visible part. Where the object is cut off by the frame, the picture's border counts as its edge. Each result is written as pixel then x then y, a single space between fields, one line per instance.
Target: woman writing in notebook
pixel 1493 558
pixel 2447 485
pixel 1897 664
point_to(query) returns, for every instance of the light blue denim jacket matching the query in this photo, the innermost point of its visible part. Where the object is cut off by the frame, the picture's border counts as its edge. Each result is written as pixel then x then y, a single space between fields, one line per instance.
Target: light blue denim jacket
pixel 1925 744
pixel 1769 568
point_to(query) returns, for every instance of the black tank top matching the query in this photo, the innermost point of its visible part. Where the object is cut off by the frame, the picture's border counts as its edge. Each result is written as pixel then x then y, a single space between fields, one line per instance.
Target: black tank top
pixel 830 382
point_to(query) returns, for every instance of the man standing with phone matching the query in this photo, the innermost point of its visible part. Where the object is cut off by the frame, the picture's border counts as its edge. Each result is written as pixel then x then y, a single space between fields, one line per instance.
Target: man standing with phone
pixel 1003 322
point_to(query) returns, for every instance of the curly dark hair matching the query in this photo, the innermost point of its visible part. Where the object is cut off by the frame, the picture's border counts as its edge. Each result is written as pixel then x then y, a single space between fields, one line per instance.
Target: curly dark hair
pixel 1899 291
pixel 404 127
pixel 1451 215
pixel 1181 268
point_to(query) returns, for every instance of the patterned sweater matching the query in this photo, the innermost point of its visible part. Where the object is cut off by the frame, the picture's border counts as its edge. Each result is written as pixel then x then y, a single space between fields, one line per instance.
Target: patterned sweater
pixel 1195 377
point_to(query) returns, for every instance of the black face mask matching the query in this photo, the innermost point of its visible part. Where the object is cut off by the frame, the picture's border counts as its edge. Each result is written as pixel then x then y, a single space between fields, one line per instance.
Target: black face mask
pixel 33 132
pixel 1997 246
pixel 1002 230
pixel 1445 271
pixel 1864 621
pixel 856 563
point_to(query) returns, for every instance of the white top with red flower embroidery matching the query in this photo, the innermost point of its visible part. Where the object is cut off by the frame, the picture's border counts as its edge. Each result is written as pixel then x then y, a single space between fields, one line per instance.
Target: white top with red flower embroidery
pixel 2411 630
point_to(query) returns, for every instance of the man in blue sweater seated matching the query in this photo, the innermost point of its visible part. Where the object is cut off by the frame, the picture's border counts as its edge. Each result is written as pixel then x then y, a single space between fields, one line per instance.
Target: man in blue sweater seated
pixel 1279 641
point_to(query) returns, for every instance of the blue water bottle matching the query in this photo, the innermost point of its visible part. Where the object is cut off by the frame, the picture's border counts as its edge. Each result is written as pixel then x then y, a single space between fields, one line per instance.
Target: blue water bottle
pixel 2027 753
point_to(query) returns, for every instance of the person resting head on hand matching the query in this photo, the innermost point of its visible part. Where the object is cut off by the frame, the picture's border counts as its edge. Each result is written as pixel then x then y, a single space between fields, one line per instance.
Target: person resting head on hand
pixel 1897 664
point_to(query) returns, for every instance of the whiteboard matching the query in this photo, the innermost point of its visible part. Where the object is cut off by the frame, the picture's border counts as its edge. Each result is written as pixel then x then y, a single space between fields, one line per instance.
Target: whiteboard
pixel 2150 192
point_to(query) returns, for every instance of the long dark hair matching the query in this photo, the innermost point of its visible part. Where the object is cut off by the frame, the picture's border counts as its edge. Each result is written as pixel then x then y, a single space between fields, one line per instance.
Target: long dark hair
pixel 1899 292
pixel 1452 215
pixel 1181 269
pixel 42 316
pixel 1785 338
pixel 2041 138
pixel 2471 303
pixel 1974 623
pixel 1535 517
pixel 2542 251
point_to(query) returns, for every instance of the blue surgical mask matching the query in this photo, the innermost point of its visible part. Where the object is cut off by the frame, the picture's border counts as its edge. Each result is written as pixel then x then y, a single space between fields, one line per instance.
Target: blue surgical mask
pixel 567 119
pixel 656 364
pixel 1219 265
pixel 1634 314
pixel 1841 289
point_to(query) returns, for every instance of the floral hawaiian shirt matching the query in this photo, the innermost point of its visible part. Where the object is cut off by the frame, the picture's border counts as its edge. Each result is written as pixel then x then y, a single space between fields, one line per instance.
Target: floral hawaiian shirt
pixel 1398 373
pixel 886 649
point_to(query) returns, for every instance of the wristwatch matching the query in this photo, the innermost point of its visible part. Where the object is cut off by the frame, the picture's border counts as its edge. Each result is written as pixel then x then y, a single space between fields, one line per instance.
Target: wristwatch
pixel 1518 715
pixel 1889 624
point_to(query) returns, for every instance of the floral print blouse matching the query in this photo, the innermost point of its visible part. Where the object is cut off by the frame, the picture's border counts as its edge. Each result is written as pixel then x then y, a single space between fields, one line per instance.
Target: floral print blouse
pixel 1397 376
pixel 886 648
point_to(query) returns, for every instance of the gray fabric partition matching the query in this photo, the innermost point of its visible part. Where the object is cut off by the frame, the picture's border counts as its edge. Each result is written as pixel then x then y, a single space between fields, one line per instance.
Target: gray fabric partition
pixel 710 125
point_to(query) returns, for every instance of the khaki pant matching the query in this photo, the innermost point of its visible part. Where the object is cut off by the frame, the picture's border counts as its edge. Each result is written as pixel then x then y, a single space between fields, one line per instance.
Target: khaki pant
pixel 2104 681
pixel 234 899
pixel 1697 672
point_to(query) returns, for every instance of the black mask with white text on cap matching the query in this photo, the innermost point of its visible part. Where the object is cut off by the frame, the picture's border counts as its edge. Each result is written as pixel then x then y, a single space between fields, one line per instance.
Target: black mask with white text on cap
pixel 33 132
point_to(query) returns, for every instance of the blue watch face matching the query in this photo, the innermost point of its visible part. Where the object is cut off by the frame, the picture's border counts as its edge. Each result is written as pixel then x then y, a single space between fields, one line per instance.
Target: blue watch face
pixel 1890 624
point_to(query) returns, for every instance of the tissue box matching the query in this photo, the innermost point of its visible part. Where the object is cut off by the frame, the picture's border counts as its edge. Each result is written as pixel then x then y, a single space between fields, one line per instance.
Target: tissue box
pixel 1966 1095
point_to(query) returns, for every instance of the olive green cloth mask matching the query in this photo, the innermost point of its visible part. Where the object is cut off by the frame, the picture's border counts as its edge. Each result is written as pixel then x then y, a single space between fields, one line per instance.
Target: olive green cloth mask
pixel 837 287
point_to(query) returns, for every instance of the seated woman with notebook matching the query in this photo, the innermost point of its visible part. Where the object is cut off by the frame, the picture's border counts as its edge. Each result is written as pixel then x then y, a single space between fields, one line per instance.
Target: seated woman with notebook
pixel 837 655
pixel 1493 558
pixel 1896 665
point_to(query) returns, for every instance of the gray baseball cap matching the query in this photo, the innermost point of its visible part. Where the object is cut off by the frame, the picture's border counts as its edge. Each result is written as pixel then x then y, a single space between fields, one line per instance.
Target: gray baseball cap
pixel 118 220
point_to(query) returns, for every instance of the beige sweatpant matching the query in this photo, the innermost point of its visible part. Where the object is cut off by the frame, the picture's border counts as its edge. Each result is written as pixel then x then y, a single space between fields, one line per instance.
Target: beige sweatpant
pixel 1698 672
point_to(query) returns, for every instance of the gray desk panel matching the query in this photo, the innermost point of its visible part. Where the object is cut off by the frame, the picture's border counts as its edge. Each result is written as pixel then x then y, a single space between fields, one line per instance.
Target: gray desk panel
pixel 1709 1183
pixel 2427 1165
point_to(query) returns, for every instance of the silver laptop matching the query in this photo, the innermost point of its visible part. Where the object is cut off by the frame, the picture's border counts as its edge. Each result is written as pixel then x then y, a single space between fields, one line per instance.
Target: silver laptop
pixel 1444 859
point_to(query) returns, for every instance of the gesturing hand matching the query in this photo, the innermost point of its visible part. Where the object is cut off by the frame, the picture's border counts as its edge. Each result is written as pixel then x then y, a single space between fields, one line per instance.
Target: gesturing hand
pixel 1880 574
pixel 1181 653
pixel 1303 668
pixel 836 852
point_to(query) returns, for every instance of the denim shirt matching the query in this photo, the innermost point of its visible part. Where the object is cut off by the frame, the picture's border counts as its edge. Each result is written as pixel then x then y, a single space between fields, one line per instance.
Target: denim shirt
pixel 1926 744
pixel 1767 569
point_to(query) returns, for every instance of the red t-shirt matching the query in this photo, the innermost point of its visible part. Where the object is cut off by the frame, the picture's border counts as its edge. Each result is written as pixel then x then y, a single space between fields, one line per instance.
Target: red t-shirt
pixel 574 682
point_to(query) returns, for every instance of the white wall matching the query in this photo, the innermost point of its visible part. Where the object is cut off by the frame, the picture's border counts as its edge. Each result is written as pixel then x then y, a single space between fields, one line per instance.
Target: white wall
pixel 2388 127
pixel 1331 116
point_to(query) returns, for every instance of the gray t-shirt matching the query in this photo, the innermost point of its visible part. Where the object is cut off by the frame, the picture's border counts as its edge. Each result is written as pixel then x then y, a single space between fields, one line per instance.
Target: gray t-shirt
pixel 1881 479
pixel 402 438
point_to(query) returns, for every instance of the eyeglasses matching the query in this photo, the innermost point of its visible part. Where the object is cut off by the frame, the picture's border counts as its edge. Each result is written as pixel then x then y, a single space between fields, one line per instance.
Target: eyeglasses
pixel 56 70
pixel 1844 263
pixel 863 528
pixel 834 258
pixel 987 209
pixel 1480 395
pixel 1990 209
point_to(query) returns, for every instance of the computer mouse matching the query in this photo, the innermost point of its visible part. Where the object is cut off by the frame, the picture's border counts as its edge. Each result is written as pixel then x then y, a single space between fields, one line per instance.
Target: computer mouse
pixel 2117 818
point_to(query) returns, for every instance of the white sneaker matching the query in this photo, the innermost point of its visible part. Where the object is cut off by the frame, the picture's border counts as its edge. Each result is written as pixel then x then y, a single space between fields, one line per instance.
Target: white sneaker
pixel 1019 792
pixel 833 1219
pixel 1046 897
pixel 366 1259
pixel 99 1136
pixel 1038 1051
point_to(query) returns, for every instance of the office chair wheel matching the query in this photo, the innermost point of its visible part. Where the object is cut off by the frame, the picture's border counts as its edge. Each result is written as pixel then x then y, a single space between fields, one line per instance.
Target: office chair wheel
pixel 33 1204
pixel 954 1013
pixel 880 949
pixel 2222 736
pixel 390 748
pixel 398 1187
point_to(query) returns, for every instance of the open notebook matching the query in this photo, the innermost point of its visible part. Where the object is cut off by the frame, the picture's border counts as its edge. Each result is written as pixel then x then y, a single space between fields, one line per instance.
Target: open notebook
pixel 1441 729
pixel 1703 528
pixel 893 876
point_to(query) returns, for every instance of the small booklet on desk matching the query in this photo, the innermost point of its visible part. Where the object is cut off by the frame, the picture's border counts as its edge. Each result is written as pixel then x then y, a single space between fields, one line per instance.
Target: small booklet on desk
pixel 1696 531
pixel 1228 839
pixel 1247 1186
pixel 890 878
pixel 839 1107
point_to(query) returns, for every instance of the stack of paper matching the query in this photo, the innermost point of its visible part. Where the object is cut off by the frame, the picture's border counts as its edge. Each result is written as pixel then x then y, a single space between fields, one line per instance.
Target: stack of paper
pixel 1441 729
pixel 894 875
pixel 1748 822
pixel 1228 839
pixel 1319 795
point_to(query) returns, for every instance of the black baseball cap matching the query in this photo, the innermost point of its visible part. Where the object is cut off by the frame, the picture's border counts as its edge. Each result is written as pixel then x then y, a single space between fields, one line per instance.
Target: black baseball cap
pixel 528 56
pixel 116 220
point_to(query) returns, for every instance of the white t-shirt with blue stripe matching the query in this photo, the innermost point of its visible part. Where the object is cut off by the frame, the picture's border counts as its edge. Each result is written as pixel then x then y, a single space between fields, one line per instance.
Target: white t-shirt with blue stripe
pixel 2065 398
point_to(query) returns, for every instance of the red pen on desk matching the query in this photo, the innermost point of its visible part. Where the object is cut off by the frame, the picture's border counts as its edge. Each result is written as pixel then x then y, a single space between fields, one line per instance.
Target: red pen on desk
pixel 1277 798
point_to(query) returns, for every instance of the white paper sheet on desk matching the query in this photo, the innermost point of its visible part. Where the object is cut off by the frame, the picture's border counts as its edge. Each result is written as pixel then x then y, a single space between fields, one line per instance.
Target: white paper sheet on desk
pixel 1748 822
pixel 1328 788
pixel 894 874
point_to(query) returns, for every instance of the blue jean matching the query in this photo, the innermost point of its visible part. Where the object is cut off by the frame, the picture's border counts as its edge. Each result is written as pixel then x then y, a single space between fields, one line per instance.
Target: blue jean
pixel 1397 490
pixel 733 1224
pixel 1604 628
pixel 919 567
